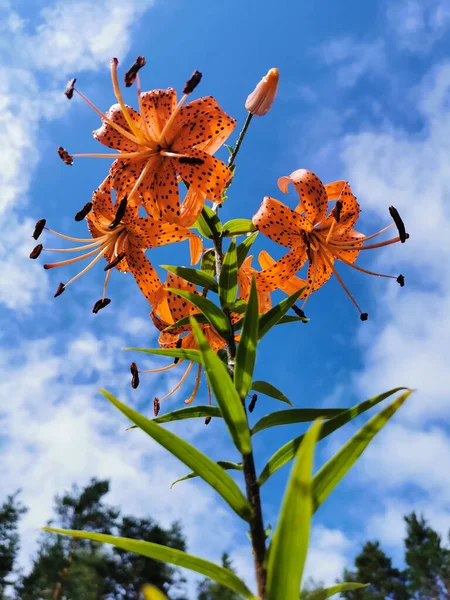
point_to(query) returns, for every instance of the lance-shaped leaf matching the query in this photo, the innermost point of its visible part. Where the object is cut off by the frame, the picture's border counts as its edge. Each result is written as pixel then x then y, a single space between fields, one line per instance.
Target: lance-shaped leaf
pixel 262 387
pixel 228 277
pixel 334 470
pixel 295 415
pixel 276 313
pixel 289 450
pixel 208 223
pixel 225 393
pixel 208 263
pixel 225 464
pixel 205 468
pixel 336 589
pixel 169 555
pixel 190 412
pixel 238 227
pixel 290 541
pixel 246 350
pixel 185 353
pixel 244 248
pixel 195 276
pixel 211 311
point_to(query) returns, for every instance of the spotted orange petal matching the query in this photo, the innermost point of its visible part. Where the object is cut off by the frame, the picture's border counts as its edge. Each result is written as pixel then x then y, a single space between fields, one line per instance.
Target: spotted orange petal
pixel 341 245
pixel 143 272
pixel 180 307
pixel 290 286
pixel 280 223
pixel 349 212
pixel 164 189
pixel 313 197
pixel 319 272
pixel 210 177
pixel 274 276
pixel 157 106
pixel 110 137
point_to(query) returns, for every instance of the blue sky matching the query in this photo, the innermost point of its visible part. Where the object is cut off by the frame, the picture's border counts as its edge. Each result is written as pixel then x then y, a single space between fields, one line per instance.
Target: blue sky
pixel 364 95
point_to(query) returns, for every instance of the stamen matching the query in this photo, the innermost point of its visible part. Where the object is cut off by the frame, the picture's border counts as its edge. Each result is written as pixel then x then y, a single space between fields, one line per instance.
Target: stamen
pixel 131 74
pixel 70 261
pixel 156 407
pixel 100 304
pixel 338 209
pixel 196 386
pixel 346 262
pixel 70 87
pixel 298 311
pixel 90 265
pixel 330 231
pixel 39 228
pixel 364 316
pixel 192 82
pixel 142 176
pixel 170 120
pixel 119 213
pixel 313 281
pixel 361 239
pixel 399 224
pixel 36 251
pixel 133 155
pixel 161 369
pixel 208 420
pixel 71 239
pixel 368 247
pixel 60 290
pixel 180 383
pixel 83 212
pixel 179 344
pixel 97 242
pixel 401 280
pixel 134 375
pixel 114 62
pixel 115 262
pixel 252 404
pixel 65 156
pixel 190 160
pixel 105 284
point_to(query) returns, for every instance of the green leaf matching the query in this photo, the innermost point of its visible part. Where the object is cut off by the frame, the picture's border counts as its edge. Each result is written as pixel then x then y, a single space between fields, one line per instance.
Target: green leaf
pixel 190 412
pixel 290 541
pixel 195 276
pixel 187 354
pixel 228 277
pixel 207 469
pixel 291 319
pixel 226 395
pixel 169 555
pixel 225 464
pixel 336 589
pixel 246 350
pixel 150 592
pixel 199 317
pixel 244 248
pixel 276 313
pixel 334 470
pixel 212 312
pixel 289 450
pixel 208 223
pixel 208 263
pixel 238 227
pixel 262 387
pixel 295 415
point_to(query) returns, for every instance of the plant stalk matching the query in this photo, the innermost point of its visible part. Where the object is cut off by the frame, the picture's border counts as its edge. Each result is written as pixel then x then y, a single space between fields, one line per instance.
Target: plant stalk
pixel 240 139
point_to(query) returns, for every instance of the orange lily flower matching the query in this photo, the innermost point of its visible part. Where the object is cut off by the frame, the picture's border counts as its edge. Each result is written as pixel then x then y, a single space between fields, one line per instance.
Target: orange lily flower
pixel 164 139
pixel 315 237
pixel 121 237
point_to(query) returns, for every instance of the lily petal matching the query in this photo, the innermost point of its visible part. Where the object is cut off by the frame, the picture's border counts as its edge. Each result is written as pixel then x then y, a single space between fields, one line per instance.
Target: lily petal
pixel 274 276
pixel 210 177
pixel 313 197
pixel 157 106
pixel 110 137
pixel 143 272
pixel 280 223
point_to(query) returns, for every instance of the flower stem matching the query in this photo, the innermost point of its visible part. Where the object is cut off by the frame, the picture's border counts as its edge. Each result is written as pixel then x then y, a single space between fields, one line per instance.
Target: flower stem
pixel 240 139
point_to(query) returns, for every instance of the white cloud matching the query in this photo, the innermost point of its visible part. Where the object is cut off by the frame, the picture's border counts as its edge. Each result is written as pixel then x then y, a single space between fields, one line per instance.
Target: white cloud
pixel 328 555
pixel 419 24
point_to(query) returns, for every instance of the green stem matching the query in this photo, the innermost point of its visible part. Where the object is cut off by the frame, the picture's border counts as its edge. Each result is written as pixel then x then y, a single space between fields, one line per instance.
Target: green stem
pixel 240 139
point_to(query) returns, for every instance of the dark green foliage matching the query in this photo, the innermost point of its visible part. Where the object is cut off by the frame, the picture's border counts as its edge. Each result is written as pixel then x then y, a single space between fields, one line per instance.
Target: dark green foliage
pixel 210 590
pixel 10 512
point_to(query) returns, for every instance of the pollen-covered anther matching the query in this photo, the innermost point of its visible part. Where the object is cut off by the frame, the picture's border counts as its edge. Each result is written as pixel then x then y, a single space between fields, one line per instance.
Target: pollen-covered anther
pixel 190 160
pixel 115 262
pixel 65 156
pixel 134 375
pixel 252 404
pixel 100 304
pixel 399 224
pixel 70 88
pixel 36 251
pixel 364 316
pixel 60 290
pixel 192 82
pixel 81 214
pixel 156 407
pixel 119 213
pixel 130 75
pixel 401 280
pixel 298 311
pixel 39 228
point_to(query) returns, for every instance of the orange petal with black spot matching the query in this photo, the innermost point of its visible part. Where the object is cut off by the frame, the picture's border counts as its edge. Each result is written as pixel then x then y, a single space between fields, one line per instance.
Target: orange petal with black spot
pixel 210 177
pixel 289 287
pixel 279 272
pixel 143 272
pixel 157 106
pixel 318 271
pixel 280 223
pixel 313 197
pixel 110 137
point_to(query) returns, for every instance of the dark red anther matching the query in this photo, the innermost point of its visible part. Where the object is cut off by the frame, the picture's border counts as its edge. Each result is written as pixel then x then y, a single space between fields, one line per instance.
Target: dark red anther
pixel 130 75
pixel 252 404
pixel 401 280
pixel 192 82
pixel 156 407
pixel 60 290
pixel 208 420
pixel 337 211
pixel 65 156
pixel 36 251
pixel 134 375
pixel 100 304
pixel 190 160
pixel 364 316
pixel 81 214
pixel 298 311
pixel 39 228
pixel 178 345
pixel 119 213
pixel 70 87
pixel 399 224
pixel 115 262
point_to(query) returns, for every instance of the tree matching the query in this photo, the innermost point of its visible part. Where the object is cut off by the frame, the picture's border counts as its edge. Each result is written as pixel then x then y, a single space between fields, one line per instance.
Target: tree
pixel 10 512
pixel 428 561
pixel 210 590
pixel 375 567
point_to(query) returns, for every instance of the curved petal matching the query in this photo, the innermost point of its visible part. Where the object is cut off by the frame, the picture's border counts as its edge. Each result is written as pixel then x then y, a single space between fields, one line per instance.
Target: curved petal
pixel 157 106
pixel 280 223
pixel 349 210
pixel 164 189
pixel 274 276
pixel 149 233
pixel 143 272
pixel 345 251
pixel 318 271
pixel 313 197
pixel 110 137
pixel 168 340
pixel 191 207
pixel 292 285
pixel 210 177
pixel 102 202
pixel 125 173
pixel 200 124
pixel 215 341
pixel 178 306
pixel 245 276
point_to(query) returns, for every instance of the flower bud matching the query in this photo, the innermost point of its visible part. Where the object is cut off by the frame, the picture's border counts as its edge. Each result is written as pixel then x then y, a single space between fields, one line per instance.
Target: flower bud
pixel 261 99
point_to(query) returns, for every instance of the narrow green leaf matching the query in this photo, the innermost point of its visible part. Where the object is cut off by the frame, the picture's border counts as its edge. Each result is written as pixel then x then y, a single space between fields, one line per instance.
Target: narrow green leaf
pixel 150 592
pixel 290 541
pixel 238 227
pixel 244 248
pixel 246 350
pixel 187 354
pixel 226 395
pixel 262 387
pixel 228 277
pixel 291 319
pixel 199 317
pixel 334 470
pixel 208 263
pixel 190 412
pixel 211 311
pixel 295 415
pixel 208 223
pixel 276 313
pixel 195 276
pixel 225 577
pixel 336 589
pixel 225 464
pixel 207 469
pixel 289 450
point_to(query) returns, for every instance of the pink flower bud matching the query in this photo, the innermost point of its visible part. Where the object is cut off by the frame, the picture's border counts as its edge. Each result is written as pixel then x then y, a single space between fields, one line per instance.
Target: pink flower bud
pixel 261 99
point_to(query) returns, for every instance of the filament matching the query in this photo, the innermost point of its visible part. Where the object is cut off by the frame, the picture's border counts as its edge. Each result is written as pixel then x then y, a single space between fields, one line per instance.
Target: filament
pixel 196 386
pixel 123 106
pixel 179 384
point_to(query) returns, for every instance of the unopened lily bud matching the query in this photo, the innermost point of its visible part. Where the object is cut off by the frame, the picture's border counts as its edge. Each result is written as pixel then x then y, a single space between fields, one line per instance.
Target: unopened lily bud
pixel 261 99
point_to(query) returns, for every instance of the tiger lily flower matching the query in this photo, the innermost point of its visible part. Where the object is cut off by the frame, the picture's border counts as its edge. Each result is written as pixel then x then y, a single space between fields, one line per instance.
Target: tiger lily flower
pixel 121 237
pixel 316 237
pixel 165 142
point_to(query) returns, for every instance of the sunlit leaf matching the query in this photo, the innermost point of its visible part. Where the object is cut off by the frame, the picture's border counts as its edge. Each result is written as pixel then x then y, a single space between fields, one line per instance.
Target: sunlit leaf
pixel 276 313
pixel 238 227
pixel 225 464
pixel 199 317
pixel 246 350
pixel 208 223
pixel 294 415
pixel 262 387
pixel 208 263
pixel 336 589
pixel 228 277
pixel 189 412
pixel 244 248
pixel 195 276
